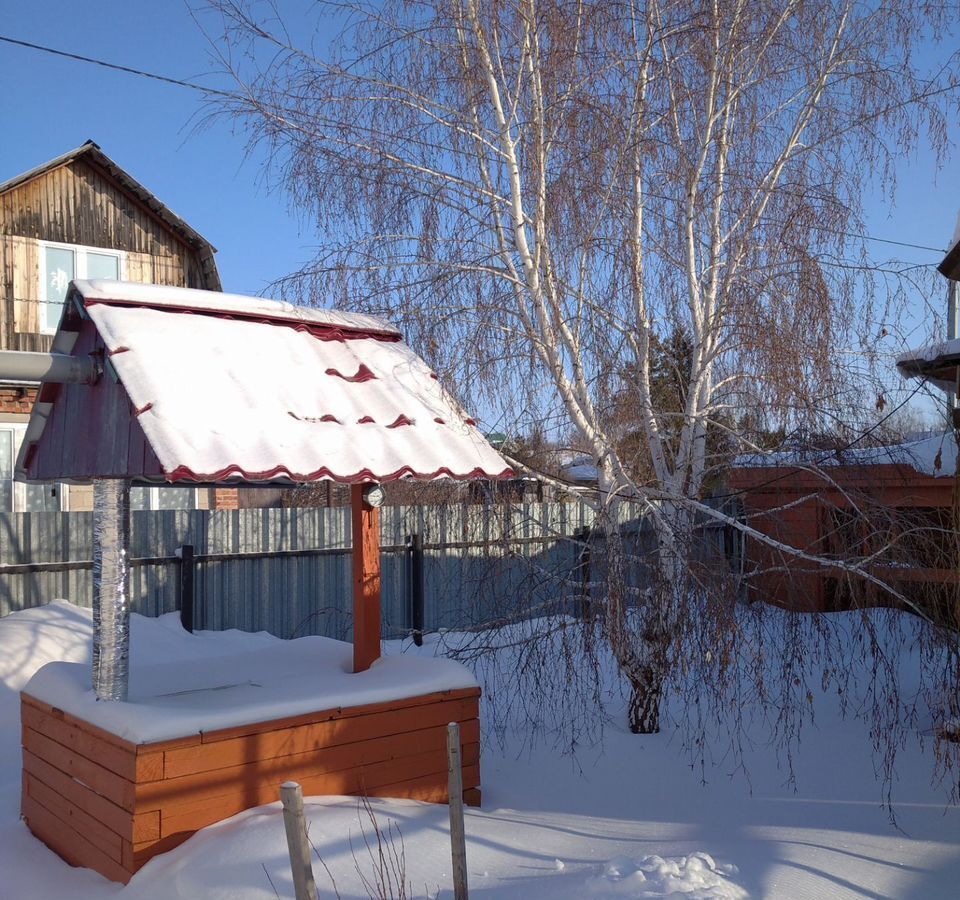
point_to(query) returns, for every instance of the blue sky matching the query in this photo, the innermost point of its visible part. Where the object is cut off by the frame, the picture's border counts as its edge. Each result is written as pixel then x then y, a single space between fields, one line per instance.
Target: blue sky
pixel 51 105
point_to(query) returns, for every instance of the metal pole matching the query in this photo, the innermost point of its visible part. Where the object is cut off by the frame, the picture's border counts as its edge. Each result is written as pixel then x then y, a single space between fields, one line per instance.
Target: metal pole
pixel 952 296
pixel 416 588
pixel 111 587
pixel 186 598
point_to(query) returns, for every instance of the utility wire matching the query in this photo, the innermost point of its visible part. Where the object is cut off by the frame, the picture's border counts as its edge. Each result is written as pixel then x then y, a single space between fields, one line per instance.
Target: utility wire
pixel 116 67
pixel 233 96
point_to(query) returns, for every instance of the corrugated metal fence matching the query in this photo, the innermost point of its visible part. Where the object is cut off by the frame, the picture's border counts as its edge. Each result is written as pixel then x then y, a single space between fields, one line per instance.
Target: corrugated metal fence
pixel 288 571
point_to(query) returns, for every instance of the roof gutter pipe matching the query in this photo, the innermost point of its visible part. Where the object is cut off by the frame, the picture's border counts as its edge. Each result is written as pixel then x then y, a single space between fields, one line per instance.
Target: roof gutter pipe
pixel 21 365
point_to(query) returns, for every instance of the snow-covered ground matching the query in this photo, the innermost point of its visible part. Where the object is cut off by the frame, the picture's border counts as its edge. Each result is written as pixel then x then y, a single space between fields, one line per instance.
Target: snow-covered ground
pixel 629 818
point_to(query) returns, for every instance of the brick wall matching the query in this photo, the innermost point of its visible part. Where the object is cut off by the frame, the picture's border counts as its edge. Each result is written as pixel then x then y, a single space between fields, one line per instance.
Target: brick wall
pixel 17 400
pixel 225 498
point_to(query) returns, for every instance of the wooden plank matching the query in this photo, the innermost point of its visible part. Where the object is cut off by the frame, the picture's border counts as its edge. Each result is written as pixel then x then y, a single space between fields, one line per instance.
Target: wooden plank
pixel 318 736
pixel 99 779
pixel 249 777
pixel 146 826
pixel 78 819
pixel 471 796
pixel 144 851
pixel 69 844
pixel 103 810
pixel 69 719
pixel 366 580
pixel 393 778
pixel 120 760
pixel 342 712
pixel 427 788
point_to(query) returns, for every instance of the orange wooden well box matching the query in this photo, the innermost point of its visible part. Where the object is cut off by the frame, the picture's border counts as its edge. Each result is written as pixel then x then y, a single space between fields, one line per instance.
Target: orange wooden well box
pixel 110 805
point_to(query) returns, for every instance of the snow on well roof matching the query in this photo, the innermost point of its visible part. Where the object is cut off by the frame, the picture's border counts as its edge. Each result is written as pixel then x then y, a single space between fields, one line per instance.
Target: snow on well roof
pixel 242 388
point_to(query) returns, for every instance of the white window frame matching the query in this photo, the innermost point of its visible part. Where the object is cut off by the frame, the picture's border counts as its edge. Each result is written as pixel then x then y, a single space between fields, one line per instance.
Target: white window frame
pixel 19 488
pixel 80 252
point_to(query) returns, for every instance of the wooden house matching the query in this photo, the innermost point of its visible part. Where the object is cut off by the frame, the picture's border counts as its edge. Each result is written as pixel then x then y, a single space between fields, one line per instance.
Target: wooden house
pixel 82 216
pixel 889 508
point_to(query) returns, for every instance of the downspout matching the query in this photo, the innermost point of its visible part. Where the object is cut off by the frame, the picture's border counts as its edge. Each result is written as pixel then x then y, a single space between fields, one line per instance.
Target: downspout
pixel 21 365
pixel 953 296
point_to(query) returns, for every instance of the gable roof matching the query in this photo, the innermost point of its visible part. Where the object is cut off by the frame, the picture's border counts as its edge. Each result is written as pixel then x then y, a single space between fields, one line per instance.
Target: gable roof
pixel 232 388
pixel 91 153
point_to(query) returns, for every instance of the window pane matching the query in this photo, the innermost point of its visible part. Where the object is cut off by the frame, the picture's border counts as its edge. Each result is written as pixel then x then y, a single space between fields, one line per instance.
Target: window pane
pixel 58 273
pixel 175 498
pixel 42 497
pixel 139 498
pixel 6 470
pixel 102 265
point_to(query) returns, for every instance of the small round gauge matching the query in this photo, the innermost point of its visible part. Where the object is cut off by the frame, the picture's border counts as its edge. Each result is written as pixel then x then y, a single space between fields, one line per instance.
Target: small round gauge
pixel 373 495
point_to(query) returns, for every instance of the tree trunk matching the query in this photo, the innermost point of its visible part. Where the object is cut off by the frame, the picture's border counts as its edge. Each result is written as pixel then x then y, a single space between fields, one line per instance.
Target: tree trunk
pixel 643 715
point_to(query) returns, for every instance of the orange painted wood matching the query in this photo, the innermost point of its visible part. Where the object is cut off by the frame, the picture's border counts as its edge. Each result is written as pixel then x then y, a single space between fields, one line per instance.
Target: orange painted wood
pixel 342 712
pixel 385 779
pixel 70 814
pixel 471 796
pixel 70 845
pixel 93 730
pixel 314 737
pixel 125 762
pixel 106 783
pixel 76 800
pixel 228 780
pixel 366 581
pixel 111 815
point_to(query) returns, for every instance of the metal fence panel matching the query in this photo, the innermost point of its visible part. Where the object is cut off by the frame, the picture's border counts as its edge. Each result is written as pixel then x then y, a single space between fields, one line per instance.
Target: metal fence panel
pixel 480 563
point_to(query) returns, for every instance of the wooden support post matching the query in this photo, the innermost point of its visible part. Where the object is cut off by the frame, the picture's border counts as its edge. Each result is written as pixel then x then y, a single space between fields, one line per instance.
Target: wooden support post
pixel 291 796
pixel 458 840
pixel 366 581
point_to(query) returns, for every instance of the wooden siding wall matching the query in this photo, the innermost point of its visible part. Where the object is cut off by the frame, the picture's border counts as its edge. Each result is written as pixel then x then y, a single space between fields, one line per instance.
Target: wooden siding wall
pixel 110 805
pixel 77 203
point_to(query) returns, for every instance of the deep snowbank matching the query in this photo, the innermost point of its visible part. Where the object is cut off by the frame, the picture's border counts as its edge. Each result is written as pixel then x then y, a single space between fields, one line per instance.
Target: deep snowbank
pixel 629 819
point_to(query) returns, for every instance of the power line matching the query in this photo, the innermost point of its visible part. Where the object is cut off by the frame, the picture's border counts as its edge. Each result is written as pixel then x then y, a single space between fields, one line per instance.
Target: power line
pixel 108 65
pixel 232 95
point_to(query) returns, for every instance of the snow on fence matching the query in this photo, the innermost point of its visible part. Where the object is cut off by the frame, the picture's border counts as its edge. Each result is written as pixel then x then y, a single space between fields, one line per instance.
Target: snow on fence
pixel 288 571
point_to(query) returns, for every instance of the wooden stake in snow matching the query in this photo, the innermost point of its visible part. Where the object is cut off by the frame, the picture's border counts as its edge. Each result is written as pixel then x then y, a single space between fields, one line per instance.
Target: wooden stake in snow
pixel 291 795
pixel 458 841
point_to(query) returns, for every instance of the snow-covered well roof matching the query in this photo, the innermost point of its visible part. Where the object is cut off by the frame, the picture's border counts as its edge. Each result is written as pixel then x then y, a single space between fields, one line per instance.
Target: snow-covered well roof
pixel 223 387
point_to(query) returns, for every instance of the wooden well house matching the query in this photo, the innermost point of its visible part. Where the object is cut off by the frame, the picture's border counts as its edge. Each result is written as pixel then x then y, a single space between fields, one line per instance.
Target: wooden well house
pixel 180 386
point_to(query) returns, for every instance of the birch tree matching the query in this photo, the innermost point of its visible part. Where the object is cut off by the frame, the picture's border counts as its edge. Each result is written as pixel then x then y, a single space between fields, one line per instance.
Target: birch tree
pixel 541 191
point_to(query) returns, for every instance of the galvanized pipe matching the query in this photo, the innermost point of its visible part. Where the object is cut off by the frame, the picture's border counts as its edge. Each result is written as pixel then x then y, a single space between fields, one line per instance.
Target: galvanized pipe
pixel 111 587
pixel 23 365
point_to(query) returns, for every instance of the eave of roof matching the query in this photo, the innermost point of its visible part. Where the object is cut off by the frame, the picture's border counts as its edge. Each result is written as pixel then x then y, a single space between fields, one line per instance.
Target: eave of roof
pixel 950 266
pixel 937 364
pixel 91 152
